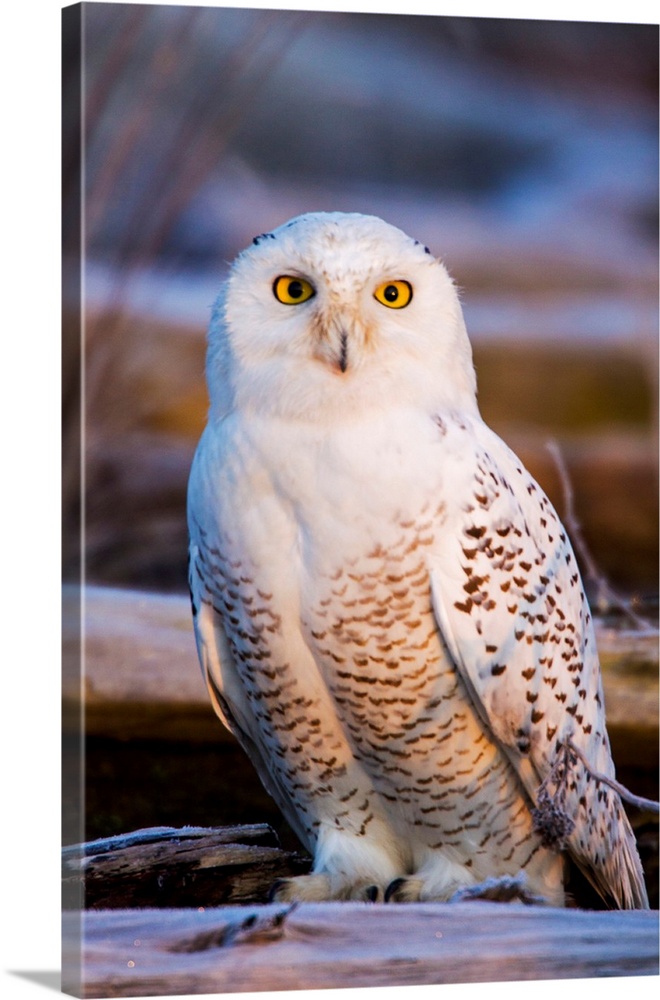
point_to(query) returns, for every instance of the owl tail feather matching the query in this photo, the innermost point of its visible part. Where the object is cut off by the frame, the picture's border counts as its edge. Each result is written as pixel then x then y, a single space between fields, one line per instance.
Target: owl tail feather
pixel 619 878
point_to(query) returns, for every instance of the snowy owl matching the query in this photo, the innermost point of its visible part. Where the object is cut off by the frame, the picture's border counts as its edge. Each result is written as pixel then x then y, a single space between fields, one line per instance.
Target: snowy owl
pixel 388 612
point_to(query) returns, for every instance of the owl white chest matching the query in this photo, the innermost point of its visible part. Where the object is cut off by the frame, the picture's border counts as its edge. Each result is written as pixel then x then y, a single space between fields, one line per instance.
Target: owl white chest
pixel 315 500
pixel 337 525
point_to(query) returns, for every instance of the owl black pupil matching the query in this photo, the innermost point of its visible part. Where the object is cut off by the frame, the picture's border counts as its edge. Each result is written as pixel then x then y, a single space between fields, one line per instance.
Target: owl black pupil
pixel 391 293
pixel 295 289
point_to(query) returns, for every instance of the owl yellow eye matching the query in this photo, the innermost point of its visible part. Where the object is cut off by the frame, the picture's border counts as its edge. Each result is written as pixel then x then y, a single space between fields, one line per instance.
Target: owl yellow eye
pixel 291 291
pixel 394 294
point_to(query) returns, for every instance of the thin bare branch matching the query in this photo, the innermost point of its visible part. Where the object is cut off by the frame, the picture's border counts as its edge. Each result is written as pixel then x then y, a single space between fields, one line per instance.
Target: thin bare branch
pixel 634 800
pixel 606 597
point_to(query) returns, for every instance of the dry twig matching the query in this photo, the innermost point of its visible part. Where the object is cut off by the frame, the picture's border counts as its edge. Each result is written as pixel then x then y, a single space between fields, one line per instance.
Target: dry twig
pixel 606 597
pixel 635 800
pixel 552 819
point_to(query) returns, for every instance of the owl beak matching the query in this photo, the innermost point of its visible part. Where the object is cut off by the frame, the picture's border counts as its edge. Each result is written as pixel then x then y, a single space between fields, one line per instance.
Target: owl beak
pixel 332 342
pixel 343 351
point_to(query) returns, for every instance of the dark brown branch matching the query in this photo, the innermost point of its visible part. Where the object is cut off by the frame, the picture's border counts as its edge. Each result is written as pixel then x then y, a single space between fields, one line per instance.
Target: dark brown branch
pixel 181 867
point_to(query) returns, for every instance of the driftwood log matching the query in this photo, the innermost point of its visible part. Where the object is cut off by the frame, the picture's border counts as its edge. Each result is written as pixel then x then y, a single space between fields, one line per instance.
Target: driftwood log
pixel 156 925
pixel 321 945
pixel 167 867
pixel 173 911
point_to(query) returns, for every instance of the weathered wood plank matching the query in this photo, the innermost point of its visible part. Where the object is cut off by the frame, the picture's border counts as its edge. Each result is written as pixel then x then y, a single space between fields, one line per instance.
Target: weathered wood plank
pixel 325 945
pixel 142 677
pixel 629 662
pixel 166 866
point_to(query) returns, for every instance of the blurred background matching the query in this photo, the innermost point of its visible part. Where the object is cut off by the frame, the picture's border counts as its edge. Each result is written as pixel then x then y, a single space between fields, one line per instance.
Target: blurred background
pixel 523 153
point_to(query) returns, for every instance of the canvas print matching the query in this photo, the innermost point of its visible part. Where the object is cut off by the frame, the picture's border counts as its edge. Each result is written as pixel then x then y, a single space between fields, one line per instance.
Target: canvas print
pixel 360 507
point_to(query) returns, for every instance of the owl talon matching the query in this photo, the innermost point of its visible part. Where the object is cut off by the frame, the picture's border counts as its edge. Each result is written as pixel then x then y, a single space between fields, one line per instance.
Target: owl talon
pixel 403 890
pixel 320 887
pixel 393 887
pixel 277 890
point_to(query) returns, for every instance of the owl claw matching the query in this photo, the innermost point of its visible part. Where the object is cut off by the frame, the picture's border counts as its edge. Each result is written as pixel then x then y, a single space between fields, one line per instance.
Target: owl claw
pixel 277 889
pixel 317 888
pixel 392 888
pixel 403 890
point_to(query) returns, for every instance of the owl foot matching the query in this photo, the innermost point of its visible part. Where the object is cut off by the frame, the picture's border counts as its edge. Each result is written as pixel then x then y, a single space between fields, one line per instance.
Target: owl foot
pixel 404 890
pixel 320 888
pixel 302 888
pixel 502 889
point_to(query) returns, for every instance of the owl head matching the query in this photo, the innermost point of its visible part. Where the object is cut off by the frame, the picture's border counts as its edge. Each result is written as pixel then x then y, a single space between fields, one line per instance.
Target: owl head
pixel 333 314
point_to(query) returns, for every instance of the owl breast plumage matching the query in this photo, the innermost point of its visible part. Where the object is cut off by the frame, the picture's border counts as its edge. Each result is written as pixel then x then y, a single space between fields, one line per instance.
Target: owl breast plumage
pixel 388 612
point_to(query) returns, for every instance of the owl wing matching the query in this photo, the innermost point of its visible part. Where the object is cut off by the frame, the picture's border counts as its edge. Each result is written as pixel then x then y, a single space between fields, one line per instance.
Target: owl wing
pixel 511 608
pixel 215 656
pixel 225 687
pixel 226 691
